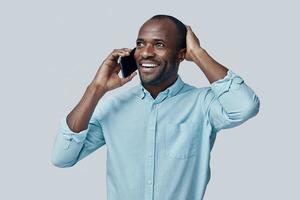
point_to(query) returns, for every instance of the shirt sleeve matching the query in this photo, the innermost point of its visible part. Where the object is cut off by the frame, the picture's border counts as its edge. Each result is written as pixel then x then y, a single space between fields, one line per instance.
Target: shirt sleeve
pixel 230 102
pixel 70 147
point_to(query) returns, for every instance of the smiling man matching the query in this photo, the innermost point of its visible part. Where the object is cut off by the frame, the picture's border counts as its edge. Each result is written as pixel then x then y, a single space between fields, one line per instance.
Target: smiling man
pixel 158 53
pixel 159 133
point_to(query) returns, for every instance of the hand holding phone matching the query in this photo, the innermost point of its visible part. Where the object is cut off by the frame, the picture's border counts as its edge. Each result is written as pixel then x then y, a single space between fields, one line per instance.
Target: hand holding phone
pixel 107 76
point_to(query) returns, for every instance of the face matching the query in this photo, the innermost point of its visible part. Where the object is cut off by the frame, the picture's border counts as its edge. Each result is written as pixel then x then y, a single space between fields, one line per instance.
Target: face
pixel 156 54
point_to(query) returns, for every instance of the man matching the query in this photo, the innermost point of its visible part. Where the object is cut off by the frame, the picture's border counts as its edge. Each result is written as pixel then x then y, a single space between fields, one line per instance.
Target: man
pixel 158 134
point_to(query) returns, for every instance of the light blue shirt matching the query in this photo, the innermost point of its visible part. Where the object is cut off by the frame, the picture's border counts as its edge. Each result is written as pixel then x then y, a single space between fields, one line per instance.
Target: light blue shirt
pixel 159 149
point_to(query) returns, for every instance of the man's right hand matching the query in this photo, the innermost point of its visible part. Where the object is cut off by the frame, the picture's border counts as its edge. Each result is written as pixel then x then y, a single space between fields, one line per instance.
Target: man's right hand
pixel 107 75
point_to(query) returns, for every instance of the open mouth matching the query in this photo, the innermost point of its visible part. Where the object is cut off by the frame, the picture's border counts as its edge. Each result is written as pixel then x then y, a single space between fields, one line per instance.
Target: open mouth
pixel 149 65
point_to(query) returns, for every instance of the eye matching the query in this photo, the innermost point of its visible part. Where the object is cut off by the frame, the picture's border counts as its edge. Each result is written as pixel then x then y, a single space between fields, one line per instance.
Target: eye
pixel 159 44
pixel 139 44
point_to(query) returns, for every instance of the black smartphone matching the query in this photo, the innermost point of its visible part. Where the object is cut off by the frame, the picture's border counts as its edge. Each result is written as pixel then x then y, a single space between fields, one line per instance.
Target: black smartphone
pixel 128 64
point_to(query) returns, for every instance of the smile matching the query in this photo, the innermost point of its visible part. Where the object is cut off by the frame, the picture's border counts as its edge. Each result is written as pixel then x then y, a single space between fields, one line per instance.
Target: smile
pixel 148 68
pixel 148 65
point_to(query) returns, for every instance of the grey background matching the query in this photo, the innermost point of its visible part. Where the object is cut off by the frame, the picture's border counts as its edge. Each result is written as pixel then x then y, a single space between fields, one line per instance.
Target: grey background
pixel 51 50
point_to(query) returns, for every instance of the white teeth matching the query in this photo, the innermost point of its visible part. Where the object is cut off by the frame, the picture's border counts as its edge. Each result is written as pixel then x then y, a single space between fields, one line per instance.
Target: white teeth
pixel 148 65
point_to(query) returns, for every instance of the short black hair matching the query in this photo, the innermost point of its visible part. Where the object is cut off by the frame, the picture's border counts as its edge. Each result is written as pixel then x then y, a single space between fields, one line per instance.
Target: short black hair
pixel 181 29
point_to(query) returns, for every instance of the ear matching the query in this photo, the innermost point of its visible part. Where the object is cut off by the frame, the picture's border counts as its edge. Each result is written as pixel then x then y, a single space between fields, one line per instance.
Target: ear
pixel 181 54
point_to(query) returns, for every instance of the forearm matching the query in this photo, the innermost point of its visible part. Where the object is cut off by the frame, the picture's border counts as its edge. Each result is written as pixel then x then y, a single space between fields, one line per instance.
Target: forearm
pixel 211 68
pixel 69 145
pixel 79 117
pixel 233 102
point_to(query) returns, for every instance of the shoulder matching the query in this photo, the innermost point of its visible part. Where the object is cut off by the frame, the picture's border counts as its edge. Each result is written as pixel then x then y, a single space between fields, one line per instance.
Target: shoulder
pixel 125 95
pixel 116 98
pixel 197 91
pixel 201 96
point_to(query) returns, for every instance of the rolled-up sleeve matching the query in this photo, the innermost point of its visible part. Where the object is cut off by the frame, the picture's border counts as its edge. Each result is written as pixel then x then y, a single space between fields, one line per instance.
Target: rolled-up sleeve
pixel 70 147
pixel 230 102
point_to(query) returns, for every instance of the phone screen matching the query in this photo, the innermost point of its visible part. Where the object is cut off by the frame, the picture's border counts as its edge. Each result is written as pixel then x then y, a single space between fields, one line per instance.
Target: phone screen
pixel 128 64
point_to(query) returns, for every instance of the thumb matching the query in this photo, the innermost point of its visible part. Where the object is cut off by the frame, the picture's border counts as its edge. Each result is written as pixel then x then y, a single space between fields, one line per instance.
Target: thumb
pixel 128 78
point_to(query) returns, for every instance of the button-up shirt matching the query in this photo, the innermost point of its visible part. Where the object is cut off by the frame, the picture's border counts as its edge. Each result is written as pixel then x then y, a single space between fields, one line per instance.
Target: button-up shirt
pixel 159 149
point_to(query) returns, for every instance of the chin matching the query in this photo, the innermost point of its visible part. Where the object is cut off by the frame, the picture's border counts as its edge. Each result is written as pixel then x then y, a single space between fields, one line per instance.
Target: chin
pixel 153 79
pixel 149 81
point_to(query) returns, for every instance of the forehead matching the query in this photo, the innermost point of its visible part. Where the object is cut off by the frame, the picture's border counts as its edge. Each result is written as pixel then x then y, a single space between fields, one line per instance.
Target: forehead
pixel 157 29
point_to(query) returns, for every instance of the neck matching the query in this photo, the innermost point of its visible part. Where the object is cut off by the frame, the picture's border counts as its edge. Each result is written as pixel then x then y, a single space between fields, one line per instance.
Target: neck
pixel 154 90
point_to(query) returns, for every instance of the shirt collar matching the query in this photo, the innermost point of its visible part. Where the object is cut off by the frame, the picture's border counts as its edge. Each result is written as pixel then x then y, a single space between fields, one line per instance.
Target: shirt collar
pixel 172 90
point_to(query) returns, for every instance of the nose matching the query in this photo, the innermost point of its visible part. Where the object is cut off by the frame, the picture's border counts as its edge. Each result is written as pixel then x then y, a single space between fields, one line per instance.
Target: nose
pixel 147 51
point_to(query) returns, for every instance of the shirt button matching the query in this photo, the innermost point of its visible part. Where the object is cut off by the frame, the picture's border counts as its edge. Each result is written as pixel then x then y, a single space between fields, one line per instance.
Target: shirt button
pixel 149 182
pixel 150 155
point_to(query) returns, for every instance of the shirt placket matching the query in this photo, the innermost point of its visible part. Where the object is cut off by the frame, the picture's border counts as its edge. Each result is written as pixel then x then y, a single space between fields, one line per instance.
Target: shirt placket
pixel 150 150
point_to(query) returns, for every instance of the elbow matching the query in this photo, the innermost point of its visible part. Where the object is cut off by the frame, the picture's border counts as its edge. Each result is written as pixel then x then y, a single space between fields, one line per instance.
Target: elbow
pixel 60 163
pixel 250 108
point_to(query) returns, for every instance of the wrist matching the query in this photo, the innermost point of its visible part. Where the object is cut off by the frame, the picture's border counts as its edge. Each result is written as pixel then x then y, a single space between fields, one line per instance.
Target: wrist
pixel 97 87
pixel 198 51
pixel 198 54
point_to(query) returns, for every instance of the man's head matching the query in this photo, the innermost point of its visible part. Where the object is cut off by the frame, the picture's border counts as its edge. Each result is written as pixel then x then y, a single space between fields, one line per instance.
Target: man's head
pixel 160 47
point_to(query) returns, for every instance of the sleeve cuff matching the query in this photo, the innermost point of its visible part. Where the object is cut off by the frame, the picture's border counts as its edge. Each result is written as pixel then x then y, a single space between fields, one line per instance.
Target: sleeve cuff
pixel 68 134
pixel 223 85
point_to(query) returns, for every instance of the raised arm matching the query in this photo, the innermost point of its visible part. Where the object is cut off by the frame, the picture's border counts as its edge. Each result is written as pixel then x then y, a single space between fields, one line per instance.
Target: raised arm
pixel 80 132
pixel 229 101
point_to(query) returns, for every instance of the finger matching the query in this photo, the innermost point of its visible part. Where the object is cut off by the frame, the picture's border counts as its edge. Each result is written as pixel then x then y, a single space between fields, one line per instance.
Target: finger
pixel 129 78
pixel 120 52
pixel 133 74
pixel 118 68
pixel 116 54
pixel 189 29
pixel 126 49
pixel 123 50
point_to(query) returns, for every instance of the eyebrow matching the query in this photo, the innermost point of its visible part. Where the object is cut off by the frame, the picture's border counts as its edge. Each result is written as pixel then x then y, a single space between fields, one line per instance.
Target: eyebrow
pixel 156 40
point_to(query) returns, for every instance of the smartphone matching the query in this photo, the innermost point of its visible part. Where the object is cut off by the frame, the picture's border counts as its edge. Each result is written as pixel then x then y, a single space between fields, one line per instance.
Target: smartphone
pixel 128 64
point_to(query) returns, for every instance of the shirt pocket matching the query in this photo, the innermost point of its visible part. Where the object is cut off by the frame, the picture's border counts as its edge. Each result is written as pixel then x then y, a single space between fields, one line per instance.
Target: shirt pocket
pixel 182 141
